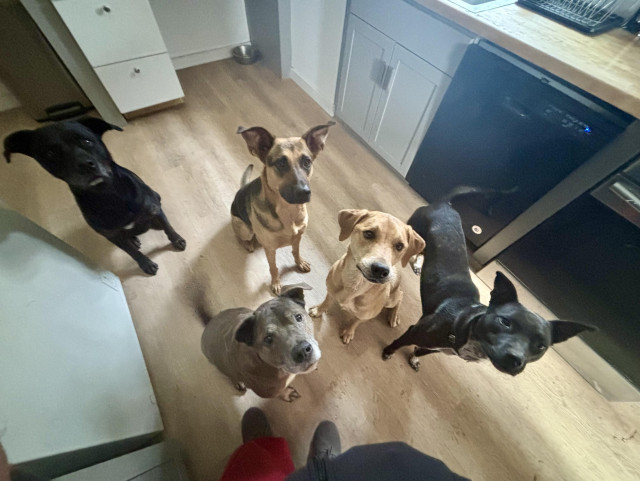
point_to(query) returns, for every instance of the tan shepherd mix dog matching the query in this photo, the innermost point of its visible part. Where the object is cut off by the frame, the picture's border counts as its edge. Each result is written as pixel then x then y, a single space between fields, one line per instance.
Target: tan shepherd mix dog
pixel 271 209
pixel 364 281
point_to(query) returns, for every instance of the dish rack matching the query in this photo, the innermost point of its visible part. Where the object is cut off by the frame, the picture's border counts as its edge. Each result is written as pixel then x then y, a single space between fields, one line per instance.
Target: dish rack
pixel 589 16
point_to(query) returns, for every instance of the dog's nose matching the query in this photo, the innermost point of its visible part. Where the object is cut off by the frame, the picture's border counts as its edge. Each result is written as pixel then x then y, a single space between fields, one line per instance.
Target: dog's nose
pixel 379 270
pixel 513 361
pixel 303 193
pixel 302 352
pixel 87 166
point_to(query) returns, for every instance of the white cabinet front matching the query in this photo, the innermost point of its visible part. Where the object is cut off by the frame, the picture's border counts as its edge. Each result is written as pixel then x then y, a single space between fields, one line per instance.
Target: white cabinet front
pixel 138 83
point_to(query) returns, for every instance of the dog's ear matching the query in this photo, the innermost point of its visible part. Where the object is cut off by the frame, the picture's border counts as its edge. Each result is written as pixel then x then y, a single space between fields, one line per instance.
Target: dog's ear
pixel 347 220
pixel 295 292
pixel 245 331
pixel 18 143
pixel 97 126
pixel 316 136
pixel 415 246
pixel 503 291
pixel 563 330
pixel 258 140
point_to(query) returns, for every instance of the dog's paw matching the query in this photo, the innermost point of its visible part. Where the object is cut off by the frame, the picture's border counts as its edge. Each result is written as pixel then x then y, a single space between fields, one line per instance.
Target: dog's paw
pixel 416 263
pixel 347 335
pixel 394 321
pixel 386 355
pixel 248 245
pixel 179 243
pixel 276 288
pixel 290 394
pixel 240 387
pixel 414 362
pixel 303 266
pixel 148 266
pixel 315 312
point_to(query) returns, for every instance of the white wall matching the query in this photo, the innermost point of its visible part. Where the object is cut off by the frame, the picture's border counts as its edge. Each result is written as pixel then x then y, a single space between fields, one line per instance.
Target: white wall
pixel 316 39
pixel 7 100
pixel 200 31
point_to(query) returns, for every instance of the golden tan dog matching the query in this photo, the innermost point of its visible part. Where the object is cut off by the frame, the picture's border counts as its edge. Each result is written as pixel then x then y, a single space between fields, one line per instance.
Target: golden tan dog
pixel 364 280
pixel 271 209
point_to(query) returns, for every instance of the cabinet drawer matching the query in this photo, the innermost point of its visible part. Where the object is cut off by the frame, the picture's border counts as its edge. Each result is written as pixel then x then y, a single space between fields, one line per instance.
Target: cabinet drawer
pixel 140 83
pixel 111 31
pixel 435 41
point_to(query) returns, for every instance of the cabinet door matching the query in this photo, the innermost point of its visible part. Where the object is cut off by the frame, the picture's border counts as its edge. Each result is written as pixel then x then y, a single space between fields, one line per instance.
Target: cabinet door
pixel 366 54
pixel 412 91
pixel 112 31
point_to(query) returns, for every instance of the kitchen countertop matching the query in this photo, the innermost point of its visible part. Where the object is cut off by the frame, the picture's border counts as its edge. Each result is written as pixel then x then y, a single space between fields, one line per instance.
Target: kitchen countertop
pixel 607 65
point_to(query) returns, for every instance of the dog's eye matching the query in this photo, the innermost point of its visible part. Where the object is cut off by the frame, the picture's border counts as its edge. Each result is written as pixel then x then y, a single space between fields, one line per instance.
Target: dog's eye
pixel 541 347
pixel 281 163
pixel 399 246
pixel 505 322
pixel 268 339
pixel 50 154
pixel 87 142
pixel 299 317
pixel 368 234
pixel 306 163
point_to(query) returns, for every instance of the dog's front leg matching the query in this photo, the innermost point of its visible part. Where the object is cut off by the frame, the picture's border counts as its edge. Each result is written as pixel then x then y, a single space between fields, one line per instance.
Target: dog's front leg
pixel 407 339
pixel 176 239
pixel 317 311
pixel 303 265
pixel 393 307
pixel 130 247
pixel 273 270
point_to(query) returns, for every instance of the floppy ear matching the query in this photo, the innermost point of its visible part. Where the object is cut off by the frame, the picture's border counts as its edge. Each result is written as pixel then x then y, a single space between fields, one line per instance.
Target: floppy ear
pixel 295 292
pixel 563 330
pixel 18 143
pixel 258 140
pixel 416 246
pixel 503 291
pixel 245 331
pixel 97 126
pixel 347 220
pixel 316 136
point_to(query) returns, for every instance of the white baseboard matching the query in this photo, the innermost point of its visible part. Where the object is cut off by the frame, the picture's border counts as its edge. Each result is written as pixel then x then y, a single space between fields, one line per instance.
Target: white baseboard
pixel 205 56
pixel 326 103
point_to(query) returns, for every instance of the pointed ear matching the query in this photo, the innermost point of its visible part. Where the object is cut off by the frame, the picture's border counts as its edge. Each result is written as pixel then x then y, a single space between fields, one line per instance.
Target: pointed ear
pixel 295 292
pixel 416 245
pixel 245 331
pixel 316 136
pixel 18 143
pixel 97 126
pixel 503 291
pixel 258 140
pixel 563 330
pixel 347 220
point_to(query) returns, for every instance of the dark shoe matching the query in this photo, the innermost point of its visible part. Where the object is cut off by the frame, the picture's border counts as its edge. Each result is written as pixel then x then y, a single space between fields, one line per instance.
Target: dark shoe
pixel 325 442
pixel 255 425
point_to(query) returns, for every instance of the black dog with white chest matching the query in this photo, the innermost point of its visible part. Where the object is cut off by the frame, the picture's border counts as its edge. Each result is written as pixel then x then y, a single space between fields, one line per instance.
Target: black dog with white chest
pixel 114 201
pixel 454 320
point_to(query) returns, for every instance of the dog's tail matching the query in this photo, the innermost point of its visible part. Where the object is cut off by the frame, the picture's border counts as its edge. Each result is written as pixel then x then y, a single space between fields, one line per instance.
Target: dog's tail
pixel 462 190
pixel 246 175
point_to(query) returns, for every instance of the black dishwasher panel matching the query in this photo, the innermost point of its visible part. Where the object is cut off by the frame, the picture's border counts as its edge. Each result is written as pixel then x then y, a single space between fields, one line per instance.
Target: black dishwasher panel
pixel 507 126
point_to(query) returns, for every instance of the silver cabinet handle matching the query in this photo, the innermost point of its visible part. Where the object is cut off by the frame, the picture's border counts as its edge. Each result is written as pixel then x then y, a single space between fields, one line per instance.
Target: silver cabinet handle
pixel 626 192
pixel 386 78
pixel 106 8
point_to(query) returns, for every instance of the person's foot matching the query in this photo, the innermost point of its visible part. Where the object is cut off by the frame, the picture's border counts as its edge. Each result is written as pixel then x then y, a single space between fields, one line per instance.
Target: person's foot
pixel 325 442
pixel 255 425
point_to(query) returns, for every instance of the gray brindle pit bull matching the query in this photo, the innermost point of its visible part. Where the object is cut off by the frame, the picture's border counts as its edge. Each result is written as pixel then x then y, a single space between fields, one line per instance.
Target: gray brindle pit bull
pixel 453 319
pixel 264 350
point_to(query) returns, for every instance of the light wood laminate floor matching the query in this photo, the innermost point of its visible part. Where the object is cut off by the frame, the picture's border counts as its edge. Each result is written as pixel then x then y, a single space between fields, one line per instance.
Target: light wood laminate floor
pixel 545 424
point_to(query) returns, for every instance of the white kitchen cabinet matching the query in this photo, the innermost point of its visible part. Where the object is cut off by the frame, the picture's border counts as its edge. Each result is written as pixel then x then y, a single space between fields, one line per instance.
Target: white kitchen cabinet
pixel 397 63
pixel 122 42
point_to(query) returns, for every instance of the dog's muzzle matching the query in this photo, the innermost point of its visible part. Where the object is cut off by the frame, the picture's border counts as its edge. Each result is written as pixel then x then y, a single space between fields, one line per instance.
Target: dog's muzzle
pixel 376 272
pixel 296 194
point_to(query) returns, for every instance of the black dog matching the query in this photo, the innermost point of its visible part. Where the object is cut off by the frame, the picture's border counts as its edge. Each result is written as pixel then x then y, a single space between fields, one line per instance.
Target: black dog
pixel 453 319
pixel 114 201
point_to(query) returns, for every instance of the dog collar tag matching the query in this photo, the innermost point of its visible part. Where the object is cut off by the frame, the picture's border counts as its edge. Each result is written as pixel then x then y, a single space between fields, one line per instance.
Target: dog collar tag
pixel 452 338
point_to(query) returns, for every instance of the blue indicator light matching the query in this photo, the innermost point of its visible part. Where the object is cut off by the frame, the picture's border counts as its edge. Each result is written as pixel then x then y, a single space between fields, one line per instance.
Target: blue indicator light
pixel 587 129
